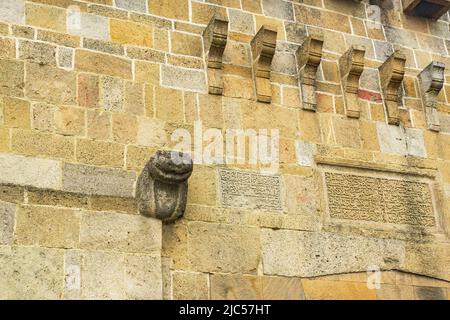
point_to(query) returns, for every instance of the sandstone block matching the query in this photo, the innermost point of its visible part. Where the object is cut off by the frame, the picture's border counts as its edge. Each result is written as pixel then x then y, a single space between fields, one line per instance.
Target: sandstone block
pixel 183 43
pixel 104 46
pixel 124 128
pixel 7 218
pixel 392 139
pixel 235 287
pixel 132 5
pixel 415 143
pixel 93 62
pixel 11 193
pixel 151 132
pixel 35 143
pixel 100 153
pixel 88 25
pixel 96 180
pixel 120 232
pixel 47 227
pixel 112 93
pixel 65 57
pixel 37 52
pixel 300 195
pixel 34 273
pixel 337 290
pixel 134 98
pixel 41 173
pixel 190 286
pixel 7 48
pixel 50 84
pixel 241 22
pixel 70 121
pixel 169 105
pixel 58 38
pixel 143 277
pixel 99 124
pixel 279 9
pixel 126 32
pixel 239 247
pixel 46 17
pixel 12 77
pixel 56 198
pixel 324 19
pixel 13 11
pixel 173 9
pixel 306 254
pixel 282 288
pixel 430 293
pixel 88 90
pixel 16 113
pixel 202 186
pixel 185 79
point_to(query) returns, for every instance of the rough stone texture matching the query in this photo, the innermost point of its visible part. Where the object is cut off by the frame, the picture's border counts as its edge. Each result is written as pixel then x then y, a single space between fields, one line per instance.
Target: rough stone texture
pixel 97 180
pixel 183 78
pixel 54 228
pixel 190 286
pixel 41 173
pixel 7 218
pixel 306 254
pixel 88 25
pixel 30 272
pixel 238 247
pixel 392 139
pixel 119 232
pixel 12 11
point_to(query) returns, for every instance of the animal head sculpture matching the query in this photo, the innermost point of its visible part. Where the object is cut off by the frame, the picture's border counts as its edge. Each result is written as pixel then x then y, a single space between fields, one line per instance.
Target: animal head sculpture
pixel 162 187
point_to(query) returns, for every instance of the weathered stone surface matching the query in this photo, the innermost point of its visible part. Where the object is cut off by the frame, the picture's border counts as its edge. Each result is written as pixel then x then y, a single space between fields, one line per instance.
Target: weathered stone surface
pixel 127 32
pixel 391 138
pixel 414 142
pixel 190 286
pixel 103 275
pixel 143 277
pixel 337 290
pixel 119 232
pixel 16 113
pixel 57 228
pixel 306 254
pixel 97 180
pixel 235 287
pixel 162 187
pixel 94 62
pixel 7 218
pixel 299 195
pixel 12 77
pixel 41 173
pixel 13 11
pixel 30 272
pixel 87 25
pixel 282 288
pixel 239 247
pixel 46 17
pixel 132 5
pixel 100 153
pixel 305 152
pixel 65 57
pixel 279 9
pixel 37 52
pixel 250 190
pixel 50 84
pixel 180 78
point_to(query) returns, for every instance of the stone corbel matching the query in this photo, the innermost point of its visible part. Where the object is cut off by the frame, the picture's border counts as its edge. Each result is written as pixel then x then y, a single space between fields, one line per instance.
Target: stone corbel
pixel 162 187
pixel 263 49
pixel 431 81
pixel 215 39
pixel 351 66
pixel 391 77
pixel 309 55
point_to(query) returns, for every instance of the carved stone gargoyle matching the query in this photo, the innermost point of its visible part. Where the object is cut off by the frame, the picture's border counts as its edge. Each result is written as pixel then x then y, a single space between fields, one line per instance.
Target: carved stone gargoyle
pixel 162 187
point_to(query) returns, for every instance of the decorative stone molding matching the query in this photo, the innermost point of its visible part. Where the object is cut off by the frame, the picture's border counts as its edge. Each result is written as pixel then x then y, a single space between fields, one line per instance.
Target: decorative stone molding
pixel 263 49
pixel 309 55
pixel 431 81
pixel 433 9
pixel 161 190
pixel 391 76
pixel 215 39
pixel 351 66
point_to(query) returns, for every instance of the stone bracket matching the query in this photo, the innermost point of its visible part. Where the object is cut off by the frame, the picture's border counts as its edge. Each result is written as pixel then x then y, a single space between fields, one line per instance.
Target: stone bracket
pixel 161 190
pixel 263 49
pixel 309 56
pixel 391 77
pixel 351 66
pixel 431 81
pixel 215 38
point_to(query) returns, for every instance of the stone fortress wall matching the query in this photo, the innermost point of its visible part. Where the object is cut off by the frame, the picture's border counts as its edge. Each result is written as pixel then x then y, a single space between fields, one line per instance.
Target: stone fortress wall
pixel 90 89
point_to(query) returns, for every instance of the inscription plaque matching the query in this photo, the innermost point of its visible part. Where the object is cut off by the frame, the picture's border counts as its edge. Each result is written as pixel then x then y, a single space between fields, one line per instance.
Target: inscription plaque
pixel 379 199
pixel 250 190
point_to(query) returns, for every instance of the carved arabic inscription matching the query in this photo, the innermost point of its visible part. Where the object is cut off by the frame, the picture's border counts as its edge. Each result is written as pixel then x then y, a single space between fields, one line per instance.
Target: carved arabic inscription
pixel 379 199
pixel 250 190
